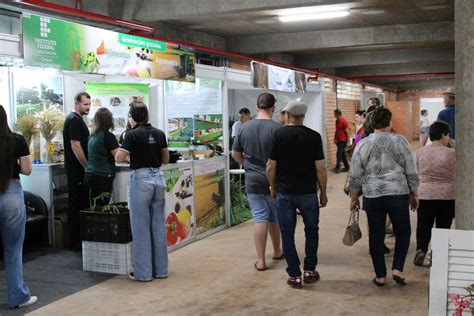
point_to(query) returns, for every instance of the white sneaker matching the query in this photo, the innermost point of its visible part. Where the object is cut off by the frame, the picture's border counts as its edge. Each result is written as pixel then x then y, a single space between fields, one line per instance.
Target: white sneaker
pixel 31 301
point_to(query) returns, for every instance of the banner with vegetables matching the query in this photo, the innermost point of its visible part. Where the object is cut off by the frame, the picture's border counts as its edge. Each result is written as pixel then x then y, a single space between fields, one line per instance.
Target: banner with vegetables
pixel 179 207
pixel 116 97
pixel 52 43
pixel 209 194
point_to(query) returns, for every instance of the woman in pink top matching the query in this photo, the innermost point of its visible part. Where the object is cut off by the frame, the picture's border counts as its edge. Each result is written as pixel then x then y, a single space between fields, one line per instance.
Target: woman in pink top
pixel 436 191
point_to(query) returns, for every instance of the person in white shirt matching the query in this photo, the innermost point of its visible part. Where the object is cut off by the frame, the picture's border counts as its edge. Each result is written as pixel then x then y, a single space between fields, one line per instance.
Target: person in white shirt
pixel 244 116
pixel 424 127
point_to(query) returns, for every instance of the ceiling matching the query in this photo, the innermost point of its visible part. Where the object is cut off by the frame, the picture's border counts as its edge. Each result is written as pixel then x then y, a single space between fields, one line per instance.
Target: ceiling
pixel 379 38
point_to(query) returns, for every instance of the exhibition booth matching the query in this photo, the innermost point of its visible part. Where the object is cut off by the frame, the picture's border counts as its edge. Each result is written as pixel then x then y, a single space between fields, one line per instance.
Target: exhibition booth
pixel 192 103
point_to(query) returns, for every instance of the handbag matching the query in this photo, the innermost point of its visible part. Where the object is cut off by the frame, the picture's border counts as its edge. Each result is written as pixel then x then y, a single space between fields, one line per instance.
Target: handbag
pixel 352 233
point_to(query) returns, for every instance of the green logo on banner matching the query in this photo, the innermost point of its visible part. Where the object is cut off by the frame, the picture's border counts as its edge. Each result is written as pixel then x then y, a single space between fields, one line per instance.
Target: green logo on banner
pixel 141 42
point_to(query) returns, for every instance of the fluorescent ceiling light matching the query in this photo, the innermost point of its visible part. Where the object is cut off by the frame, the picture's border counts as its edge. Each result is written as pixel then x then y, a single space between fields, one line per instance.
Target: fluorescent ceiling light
pixel 314 9
pixel 314 16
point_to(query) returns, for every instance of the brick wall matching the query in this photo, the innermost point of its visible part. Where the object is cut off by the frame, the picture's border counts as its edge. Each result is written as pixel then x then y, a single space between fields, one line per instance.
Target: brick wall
pixel 348 108
pixel 414 96
pixel 330 128
pixel 402 117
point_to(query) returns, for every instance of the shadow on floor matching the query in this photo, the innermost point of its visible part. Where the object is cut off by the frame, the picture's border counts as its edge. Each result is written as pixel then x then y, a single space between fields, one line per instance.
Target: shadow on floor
pixel 51 274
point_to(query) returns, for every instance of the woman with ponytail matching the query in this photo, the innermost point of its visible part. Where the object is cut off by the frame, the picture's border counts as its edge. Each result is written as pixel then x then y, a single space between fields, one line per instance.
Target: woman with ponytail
pixel 14 159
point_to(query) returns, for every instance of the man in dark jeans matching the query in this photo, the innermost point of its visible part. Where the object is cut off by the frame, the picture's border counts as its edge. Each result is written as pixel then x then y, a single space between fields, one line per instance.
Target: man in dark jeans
pixel 295 167
pixel 340 139
pixel 75 135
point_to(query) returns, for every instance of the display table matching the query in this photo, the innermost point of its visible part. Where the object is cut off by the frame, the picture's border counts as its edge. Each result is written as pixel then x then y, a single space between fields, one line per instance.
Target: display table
pixel 195 195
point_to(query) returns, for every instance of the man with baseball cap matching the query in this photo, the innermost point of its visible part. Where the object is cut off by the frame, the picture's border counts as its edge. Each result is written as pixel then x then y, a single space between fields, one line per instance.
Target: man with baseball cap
pixel 447 115
pixel 294 170
pixel 251 149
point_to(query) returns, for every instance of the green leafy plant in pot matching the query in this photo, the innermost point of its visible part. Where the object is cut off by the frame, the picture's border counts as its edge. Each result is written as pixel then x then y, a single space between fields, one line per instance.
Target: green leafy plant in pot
pixel 108 223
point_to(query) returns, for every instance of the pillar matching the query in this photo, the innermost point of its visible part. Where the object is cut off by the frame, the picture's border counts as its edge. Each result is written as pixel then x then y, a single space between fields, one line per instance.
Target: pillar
pixel 464 44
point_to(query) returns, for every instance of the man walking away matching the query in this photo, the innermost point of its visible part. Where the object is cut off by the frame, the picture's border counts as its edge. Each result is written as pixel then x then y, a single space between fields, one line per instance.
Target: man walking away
pixel 251 149
pixel 448 114
pixel 76 135
pixel 295 167
pixel 340 139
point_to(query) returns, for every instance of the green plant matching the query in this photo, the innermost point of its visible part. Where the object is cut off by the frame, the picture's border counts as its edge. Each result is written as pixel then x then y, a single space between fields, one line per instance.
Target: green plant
pixel 110 208
pixel 239 205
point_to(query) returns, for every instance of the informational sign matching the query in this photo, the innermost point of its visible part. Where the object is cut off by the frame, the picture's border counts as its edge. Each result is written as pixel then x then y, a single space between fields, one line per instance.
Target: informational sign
pixel 194 112
pixel 281 79
pixel 36 91
pixel 209 195
pixel 277 78
pixel 179 209
pixel 52 43
pixel 116 97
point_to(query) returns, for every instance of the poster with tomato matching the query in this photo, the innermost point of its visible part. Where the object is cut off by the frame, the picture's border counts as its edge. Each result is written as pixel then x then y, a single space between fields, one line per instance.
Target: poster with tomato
pixel 179 207
pixel 210 194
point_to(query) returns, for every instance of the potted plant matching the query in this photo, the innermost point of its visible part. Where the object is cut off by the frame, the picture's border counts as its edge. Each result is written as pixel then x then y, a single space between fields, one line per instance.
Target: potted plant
pixel 109 223
pixel 463 302
pixel 50 121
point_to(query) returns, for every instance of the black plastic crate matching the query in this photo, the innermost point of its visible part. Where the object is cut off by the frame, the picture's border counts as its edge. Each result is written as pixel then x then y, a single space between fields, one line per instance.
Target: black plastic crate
pixel 106 227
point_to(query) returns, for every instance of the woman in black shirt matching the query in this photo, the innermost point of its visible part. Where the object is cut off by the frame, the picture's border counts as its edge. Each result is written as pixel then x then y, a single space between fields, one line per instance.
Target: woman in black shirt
pixel 148 150
pixel 14 159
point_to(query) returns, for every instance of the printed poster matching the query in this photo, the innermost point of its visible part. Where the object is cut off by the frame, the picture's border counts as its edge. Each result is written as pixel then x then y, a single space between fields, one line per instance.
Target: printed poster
pixel 281 79
pixel 277 78
pixel 36 91
pixel 209 195
pixel 179 207
pixel 52 43
pixel 116 97
pixel 194 112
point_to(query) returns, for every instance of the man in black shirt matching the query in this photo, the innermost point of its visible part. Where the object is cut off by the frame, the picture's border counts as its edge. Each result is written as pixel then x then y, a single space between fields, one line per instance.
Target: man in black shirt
pixel 294 170
pixel 76 135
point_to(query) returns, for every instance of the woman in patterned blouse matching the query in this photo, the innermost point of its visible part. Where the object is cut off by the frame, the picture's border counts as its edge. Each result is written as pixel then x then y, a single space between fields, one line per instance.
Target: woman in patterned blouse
pixel 383 170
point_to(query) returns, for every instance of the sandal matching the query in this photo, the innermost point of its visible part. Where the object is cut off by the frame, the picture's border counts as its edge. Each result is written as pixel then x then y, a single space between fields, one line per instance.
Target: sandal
pixel 295 282
pixel 379 284
pixel 259 269
pixel 281 257
pixel 399 280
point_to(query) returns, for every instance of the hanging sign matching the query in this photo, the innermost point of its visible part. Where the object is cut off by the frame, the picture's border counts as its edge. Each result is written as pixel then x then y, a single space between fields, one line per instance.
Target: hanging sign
pixel 52 43
pixel 277 78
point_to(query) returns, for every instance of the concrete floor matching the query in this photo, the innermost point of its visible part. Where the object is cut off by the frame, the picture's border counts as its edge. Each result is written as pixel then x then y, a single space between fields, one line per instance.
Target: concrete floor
pixel 216 276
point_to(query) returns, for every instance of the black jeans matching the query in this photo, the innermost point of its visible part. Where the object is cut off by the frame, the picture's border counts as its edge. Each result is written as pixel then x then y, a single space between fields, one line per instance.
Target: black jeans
pixel 397 208
pixel 78 199
pixel 308 204
pixel 429 212
pixel 96 185
pixel 341 155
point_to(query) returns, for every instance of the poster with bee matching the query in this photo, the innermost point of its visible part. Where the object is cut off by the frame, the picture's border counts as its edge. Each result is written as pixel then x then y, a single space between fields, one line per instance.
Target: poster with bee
pixel 179 205
pixel 116 97
pixel 53 43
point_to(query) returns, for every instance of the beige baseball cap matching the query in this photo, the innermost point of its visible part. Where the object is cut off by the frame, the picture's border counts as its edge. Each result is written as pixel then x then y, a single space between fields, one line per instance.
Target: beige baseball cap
pixel 296 108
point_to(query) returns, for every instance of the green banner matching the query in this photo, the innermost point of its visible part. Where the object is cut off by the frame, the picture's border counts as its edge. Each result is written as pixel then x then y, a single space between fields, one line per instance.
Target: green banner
pixel 116 97
pixel 52 43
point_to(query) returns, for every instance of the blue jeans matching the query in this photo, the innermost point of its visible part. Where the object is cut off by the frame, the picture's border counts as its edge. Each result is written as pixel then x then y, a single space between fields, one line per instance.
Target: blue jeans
pixel 146 198
pixel 263 208
pixel 308 204
pixel 12 228
pixel 398 209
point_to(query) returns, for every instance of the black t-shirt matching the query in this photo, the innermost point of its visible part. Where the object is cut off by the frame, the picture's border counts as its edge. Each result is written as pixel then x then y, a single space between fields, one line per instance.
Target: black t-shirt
pixel 295 149
pixel 21 150
pixel 74 129
pixel 144 143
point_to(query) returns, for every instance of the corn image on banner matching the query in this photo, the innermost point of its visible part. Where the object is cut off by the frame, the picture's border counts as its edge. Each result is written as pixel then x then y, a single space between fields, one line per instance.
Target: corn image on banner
pixel 53 43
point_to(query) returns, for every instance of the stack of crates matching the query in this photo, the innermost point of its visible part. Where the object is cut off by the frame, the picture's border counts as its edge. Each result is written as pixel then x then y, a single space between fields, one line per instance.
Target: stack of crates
pixel 107 257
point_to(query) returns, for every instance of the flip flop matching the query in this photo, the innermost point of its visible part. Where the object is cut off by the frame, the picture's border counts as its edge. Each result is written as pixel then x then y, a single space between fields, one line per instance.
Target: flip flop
pixel 281 257
pixel 257 268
